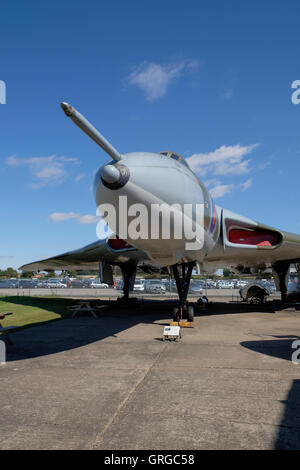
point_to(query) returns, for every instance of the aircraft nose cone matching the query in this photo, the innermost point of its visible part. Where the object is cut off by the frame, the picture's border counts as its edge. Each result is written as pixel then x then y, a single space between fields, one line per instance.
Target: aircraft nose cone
pixel 115 176
pixel 110 174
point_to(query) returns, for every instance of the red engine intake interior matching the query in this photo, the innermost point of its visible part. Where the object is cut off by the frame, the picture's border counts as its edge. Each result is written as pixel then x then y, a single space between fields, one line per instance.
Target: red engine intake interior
pixel 254 237
pixel 118 243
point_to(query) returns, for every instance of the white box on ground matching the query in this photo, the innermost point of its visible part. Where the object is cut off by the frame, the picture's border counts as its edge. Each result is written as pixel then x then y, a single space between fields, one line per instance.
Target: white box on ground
pixel 172 332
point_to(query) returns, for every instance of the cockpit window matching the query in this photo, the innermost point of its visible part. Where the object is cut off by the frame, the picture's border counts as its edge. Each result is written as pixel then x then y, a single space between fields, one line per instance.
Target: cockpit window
pixel 175 156
pixel 183 161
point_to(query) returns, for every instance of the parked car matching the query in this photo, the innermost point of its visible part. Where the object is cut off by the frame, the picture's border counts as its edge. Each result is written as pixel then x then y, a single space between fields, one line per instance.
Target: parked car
pixel 240 283
pixel 139 285
pixel 225 285
pixel 169 285
pixel 293 286
pixel 55 283
pixel 6 284
pixel 15 282
pixel 76 284
pixel 196 287
pixel 41 283
pixel 86 282
pixel 118 284
pixel 27 284
pixel 270 286
pixel 155 286
pixel 97 284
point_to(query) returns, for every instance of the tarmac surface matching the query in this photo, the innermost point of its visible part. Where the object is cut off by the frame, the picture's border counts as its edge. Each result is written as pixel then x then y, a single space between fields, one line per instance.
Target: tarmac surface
pixel 109 293
pixel 112 383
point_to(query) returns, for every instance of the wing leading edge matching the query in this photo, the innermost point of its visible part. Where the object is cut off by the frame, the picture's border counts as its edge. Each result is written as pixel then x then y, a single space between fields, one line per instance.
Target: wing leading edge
pixel 88 257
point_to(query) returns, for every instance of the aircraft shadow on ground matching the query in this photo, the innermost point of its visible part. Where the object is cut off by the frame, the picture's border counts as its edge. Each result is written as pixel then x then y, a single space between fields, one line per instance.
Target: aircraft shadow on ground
pixel 54 336
pixel 222 308
pixel 288 437
pixel 281 347
pixel 50 337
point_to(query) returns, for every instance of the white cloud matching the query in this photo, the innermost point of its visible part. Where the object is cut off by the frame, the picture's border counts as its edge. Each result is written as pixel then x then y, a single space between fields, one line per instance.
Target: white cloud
pixel 154 79
pixel 226 160
pixel 46 170
pixel 50 172
pixel 232 168
pixel 79 177
pixel 221 189
pixel 212 182
pixel 81 219
pixel 88 219
pixel 247 184
pixel 62 216
pixel 68 159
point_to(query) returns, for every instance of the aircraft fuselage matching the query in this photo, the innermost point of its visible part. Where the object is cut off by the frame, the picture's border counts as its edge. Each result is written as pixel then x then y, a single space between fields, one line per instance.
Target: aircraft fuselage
pixel 153 184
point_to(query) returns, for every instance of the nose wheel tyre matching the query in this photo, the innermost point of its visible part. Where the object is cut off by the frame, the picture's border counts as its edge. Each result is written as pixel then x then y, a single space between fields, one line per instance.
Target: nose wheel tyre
pixel 176 314
pixel 187 313
pixel 190 313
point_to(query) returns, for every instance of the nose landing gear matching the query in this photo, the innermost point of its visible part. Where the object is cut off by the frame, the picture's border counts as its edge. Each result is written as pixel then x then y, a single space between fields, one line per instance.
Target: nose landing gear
pixel 183 278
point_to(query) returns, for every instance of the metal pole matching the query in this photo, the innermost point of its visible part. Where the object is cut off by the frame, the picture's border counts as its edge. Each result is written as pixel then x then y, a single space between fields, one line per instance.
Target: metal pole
pixel 90 130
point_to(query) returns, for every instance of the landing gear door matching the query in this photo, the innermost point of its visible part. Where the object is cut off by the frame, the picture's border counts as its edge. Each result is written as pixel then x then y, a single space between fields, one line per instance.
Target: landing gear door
pixel 106 273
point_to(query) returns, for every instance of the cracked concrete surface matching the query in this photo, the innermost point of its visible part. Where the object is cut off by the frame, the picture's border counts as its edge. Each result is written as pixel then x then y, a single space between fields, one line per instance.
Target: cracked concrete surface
pixel 111 383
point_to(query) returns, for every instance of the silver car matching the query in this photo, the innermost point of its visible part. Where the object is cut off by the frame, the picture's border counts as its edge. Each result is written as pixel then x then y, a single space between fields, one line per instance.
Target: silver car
pixel 196 287
pixel 96 284
pixel 55 283
pixel 155 286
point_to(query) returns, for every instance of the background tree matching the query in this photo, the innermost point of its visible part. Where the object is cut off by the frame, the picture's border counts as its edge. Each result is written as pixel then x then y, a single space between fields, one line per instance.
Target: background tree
pixel 226 272
pixel 27 274
pixel 7 273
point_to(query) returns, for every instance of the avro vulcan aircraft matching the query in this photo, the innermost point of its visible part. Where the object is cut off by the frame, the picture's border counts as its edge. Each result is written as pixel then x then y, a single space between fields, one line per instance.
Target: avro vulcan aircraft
pixel 228 239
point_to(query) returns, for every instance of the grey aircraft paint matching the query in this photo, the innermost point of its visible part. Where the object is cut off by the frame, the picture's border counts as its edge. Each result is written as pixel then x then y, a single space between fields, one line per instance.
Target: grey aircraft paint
pixel 162 178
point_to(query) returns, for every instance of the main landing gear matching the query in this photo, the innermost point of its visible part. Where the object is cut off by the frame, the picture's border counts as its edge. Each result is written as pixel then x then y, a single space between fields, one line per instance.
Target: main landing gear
pixel 182 277
pixel 128 274
pixel 281 270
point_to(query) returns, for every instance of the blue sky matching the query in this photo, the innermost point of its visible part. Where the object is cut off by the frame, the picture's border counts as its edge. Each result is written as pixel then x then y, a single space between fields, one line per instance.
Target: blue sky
pixel 208 79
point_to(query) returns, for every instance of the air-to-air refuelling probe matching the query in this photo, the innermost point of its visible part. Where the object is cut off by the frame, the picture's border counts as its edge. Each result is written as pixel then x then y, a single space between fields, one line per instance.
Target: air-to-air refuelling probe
pixel 151 185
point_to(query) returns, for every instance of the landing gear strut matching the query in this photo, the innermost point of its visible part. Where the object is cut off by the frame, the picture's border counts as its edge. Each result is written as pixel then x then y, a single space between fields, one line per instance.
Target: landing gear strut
pixel 183 278
pixel 128 274
pixel 281 270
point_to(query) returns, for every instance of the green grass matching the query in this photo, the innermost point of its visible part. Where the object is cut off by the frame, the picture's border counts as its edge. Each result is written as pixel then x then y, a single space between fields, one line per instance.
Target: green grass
pixel 32 311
